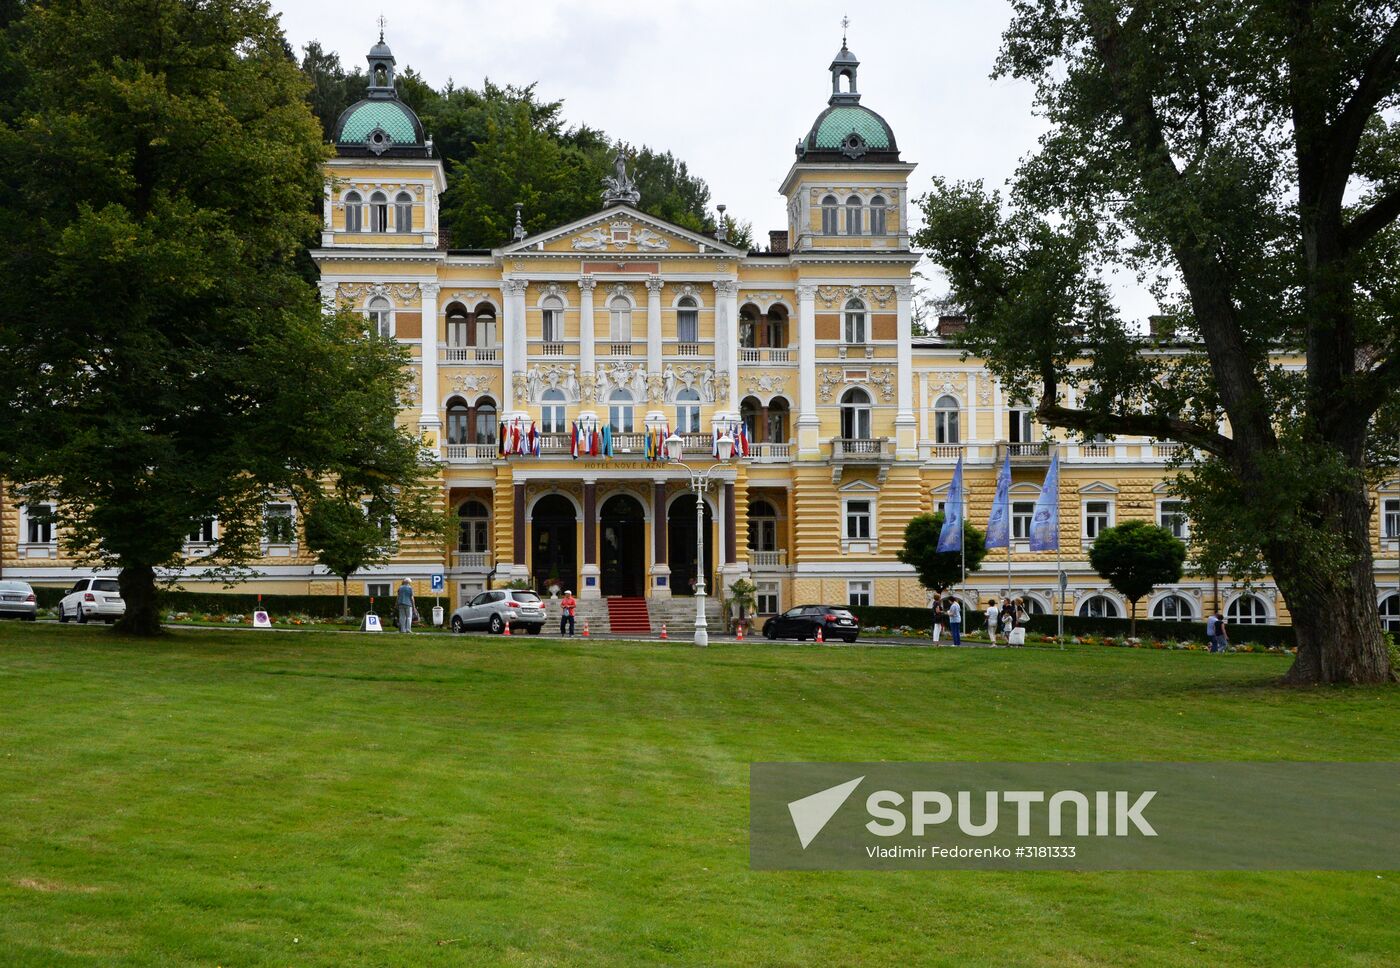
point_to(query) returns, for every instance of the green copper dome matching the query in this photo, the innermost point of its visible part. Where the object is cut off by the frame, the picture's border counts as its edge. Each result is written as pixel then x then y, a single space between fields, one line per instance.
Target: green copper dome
pixel 392 116
pixel 834 125
pixel 846 131
pixel 380 125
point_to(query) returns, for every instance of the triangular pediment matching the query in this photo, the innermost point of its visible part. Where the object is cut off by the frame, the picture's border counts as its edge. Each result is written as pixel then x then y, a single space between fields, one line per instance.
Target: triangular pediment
pixel 622 230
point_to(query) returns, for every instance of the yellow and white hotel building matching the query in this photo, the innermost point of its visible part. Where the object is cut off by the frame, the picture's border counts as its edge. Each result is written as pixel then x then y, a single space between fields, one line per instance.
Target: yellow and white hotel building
pixel 623 320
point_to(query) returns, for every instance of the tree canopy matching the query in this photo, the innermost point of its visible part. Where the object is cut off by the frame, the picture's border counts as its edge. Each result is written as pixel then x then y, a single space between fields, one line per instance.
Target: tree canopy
pixel 166 363
pixel 1135 557
pixel 503 145
pixel 1243 159
pixel 940 570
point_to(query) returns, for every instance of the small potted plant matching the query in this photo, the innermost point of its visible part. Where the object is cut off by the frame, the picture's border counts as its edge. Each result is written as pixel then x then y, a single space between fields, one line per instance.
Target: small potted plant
pixel 552 583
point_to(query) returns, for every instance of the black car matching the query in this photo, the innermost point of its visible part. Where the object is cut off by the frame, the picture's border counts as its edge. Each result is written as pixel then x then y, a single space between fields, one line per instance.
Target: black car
pixel 835 622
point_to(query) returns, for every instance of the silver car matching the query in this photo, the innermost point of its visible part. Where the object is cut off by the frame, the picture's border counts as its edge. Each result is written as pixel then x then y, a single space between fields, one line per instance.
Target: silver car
pixel 17 600
pixel 492 610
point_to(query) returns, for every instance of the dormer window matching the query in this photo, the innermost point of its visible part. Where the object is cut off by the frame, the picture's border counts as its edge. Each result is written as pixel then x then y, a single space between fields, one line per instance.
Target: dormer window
pixel 379 212
pixel 403 212
pixel 853 215
pixel 354 212
pixel 877 215
pixel 829 215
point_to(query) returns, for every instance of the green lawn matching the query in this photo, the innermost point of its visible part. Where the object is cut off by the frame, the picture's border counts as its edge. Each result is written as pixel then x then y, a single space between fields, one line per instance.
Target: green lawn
pixel 235 798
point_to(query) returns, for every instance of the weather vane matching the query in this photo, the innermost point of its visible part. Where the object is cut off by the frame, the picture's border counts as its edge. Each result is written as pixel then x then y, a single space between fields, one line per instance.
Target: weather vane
pixel 845 22
pixel 382 23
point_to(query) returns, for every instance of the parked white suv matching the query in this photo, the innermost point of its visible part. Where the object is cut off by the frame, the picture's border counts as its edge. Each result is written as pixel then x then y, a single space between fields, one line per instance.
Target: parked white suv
pixel 92 598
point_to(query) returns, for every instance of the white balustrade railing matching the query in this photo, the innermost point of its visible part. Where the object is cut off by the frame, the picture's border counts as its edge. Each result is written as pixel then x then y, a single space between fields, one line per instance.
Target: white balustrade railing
pixel 860 448
pixel 471 354
pixel 472 559
pixel 770 452
pixel 470 453
pixel 768 559
pixel 687 349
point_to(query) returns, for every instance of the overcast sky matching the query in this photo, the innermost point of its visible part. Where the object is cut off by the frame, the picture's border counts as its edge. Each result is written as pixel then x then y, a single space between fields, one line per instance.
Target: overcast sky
pixel 727 86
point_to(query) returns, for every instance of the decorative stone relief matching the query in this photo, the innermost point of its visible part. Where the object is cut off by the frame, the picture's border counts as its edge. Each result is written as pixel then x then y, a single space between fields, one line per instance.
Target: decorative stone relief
pixel 621 289
pixel 649 241
pixel 619 235
pixel 519 385
pixel 409 396
pixel 688 290
pixel 587 392
pixel 589 241
pixel 721 386
pixel 880 296
pixel 765 384
pixel 655 388
pixel 764 300
pixel 726 287
pixel 830 379
pixel 468 297
pixel 403 293
pixel 698 378
pixel 556 376
pixel 470 383
pixel 553 290
pixel 881 379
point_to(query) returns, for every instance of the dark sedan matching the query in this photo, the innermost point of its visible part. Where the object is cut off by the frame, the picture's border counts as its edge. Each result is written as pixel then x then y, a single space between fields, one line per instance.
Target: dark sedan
pixel 802 623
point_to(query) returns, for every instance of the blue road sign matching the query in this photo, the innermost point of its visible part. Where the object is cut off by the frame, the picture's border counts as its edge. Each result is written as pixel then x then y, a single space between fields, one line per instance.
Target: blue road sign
pixel 438 582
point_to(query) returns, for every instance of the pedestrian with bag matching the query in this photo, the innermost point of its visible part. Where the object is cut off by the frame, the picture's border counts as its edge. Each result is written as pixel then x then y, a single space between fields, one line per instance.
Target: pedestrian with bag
pixel 939 617
pixel 993 620
pixel 406 607
pixel 567 605
pixel 954 613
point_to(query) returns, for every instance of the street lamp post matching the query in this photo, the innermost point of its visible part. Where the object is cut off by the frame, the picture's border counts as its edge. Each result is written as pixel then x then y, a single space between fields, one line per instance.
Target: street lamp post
pixel 700 483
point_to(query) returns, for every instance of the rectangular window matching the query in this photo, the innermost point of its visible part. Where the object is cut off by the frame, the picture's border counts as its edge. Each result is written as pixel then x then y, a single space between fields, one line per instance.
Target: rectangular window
pixel 1172 516
pixel 877 220
pixel 855 327
pixel 403 215
pixel 486 332
pixel 1021 514
pixel 38 529
pixel 620 324
pixel 688 326
pixel 1019 426
pixel 1390 511
pixel 620 418
pixel 379 589
pixel 552 418
pixel 687 418
pixel 278 525
pixel 553 325
pixel 858 520
pixel 1097 516
pixel 457 332
pixel 766 598
pixel 858 593
pixel 202 532
pixel 945 427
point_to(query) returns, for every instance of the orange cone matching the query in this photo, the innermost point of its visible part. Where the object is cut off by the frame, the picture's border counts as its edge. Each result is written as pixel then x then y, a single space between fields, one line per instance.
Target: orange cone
pixel 663 631
pixel 585 628
pixel 820 637
pixel 507 631
pixel 739 632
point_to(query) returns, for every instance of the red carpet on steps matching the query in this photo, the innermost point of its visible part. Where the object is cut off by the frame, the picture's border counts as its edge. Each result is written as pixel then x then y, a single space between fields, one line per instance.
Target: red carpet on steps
pixel 628 615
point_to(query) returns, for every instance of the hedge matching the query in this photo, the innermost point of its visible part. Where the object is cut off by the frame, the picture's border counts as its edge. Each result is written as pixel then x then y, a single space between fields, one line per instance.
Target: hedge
pixel 239 603
pixel 921 619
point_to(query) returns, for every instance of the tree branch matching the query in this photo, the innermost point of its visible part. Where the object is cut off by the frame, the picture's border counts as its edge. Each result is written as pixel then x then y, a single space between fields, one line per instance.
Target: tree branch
pixel 1378 79
pixel 1136 424
pixel 1364 227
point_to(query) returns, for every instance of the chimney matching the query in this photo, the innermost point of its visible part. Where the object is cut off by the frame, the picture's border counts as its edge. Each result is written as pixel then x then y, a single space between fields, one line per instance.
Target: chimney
pixel 778 241
pixel 1162 327
pixel 949 326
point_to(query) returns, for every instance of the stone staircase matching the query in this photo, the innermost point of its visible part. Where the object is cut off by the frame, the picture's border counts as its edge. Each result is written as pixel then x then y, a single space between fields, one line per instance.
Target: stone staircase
pixel 678 614
pixel 628 616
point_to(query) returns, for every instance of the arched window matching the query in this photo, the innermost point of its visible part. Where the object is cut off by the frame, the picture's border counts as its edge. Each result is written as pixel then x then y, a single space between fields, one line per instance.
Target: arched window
pixel 687 412
pixel 474 527
pixel 855 322
pixel 830 215
pixel 553 411
pixel 777 429
pixel 748 326
pixel 620 320
pixel 1247 610
pixel 553 320
pixel 620 412
pixel 687 321
pixel 381 317
pixel 379 212
pixel 763 526
pixel 485 326
pixel 1099 606
pixel 853 215
pixel 1032 606
pixel 750 411
pixel 1173 608
pixel 877 215
pixel 946 416
pixel 354 212
pixel 458 422
pixel 1390 613
pixel 403 212
pixel 486 424
pixel 855 414
pixel 777 328
pixel 458 326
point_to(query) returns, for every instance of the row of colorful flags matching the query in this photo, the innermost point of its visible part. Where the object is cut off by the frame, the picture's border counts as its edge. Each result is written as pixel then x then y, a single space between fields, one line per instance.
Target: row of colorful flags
pixel 589 440
pixel 1045 521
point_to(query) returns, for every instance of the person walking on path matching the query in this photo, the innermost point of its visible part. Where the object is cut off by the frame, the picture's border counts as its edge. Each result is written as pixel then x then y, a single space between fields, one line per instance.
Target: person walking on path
pixel 1222 633
pixel 1212 630
pixel 405 606
pixel 939 617
pixel 993 615
pixel 567 604
pixel 955 620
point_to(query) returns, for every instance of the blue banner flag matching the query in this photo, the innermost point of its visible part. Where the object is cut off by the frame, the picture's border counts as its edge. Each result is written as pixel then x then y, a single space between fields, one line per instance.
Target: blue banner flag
pixel 951 537
pixel 998 525
pixel 1045 525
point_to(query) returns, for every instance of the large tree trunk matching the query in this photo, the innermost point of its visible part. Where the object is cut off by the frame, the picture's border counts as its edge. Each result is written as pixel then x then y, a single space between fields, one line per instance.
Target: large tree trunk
pixel 1334 609
pixel 138 588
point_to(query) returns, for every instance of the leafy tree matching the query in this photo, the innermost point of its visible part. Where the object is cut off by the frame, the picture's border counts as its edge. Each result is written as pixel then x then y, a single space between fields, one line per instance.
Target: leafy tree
pixel 940 570
pixel 1135 557
pixel 332 89
pixel 1242 157
pixel 165 363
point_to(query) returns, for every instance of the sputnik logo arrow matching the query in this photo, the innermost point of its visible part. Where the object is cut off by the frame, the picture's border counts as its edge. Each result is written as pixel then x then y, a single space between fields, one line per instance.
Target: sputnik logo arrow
pixel 811 814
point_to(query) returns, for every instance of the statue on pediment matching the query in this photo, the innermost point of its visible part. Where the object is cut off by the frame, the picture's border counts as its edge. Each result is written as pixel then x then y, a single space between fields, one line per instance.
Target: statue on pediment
pixel 619 188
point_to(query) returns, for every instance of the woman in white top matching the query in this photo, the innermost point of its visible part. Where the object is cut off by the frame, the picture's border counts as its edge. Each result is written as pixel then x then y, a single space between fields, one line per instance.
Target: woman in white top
pixel 993 614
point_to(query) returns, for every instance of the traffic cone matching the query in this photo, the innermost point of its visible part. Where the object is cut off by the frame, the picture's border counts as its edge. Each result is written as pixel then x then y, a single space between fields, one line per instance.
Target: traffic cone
pixel 739 631
pixel 820 637
pixel 585 628
pixel 507 631
pixel 663 631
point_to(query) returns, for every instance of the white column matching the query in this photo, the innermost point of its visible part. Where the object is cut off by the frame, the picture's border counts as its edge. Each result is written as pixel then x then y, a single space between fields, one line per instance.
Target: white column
pixel 512 361
pixel 429 420
pixel 727 344
pixel 328 297
pixel 586 340
pixel 521 345
pixel 654 324
pixel 905 429
pixel 808 424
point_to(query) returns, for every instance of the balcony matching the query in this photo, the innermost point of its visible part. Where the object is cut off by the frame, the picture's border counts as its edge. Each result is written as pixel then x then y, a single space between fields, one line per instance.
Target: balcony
pixel 877 452
pixel 945 451
pixel 1165 449
pixel 469 453
pixel 749 354
pixel 548 348
pixel 1025 453
pixel 766 560
pixel 471 354
pixel 687 349
pixel 623 350
pixel 770 453
pixel 471 560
